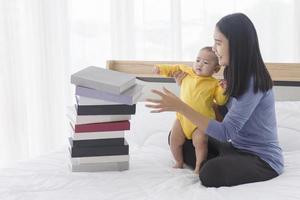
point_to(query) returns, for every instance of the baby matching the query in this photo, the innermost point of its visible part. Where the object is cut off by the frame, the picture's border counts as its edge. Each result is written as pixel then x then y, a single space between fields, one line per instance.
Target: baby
pixel 199 90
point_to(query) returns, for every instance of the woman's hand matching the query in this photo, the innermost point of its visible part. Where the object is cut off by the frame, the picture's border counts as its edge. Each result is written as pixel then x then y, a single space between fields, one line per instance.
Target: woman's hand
pixel 168 102
pixel 179 76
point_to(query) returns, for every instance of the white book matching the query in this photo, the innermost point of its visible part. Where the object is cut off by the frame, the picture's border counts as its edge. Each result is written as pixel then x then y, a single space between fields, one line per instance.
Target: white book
pixel 81 100
pixel 103 79
pixel 97 135
pixel 99 159
pixel 90 119
pixel 98 167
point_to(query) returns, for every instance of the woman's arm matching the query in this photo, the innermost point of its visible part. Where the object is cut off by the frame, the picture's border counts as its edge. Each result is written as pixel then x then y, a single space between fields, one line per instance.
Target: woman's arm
pixel 238 115
pixel 170 102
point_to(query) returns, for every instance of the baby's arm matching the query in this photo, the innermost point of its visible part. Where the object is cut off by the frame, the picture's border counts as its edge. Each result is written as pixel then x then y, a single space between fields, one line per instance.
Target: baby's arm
pixel 219 96
pixel 165 69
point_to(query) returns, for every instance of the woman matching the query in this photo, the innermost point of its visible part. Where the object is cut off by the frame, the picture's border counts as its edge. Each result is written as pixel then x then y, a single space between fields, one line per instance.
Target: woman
pixel 243 148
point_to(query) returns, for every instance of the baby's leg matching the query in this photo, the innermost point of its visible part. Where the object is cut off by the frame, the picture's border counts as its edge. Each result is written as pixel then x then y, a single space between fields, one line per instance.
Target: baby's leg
pixel 200 144
pixel 177 139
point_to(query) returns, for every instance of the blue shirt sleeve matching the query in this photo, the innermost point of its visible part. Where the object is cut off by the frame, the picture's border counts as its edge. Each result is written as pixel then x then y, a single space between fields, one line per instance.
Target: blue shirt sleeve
pixel 237 116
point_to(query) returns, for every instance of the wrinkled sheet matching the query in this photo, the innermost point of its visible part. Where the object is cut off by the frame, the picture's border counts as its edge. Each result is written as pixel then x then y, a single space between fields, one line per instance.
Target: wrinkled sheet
pixel 151 175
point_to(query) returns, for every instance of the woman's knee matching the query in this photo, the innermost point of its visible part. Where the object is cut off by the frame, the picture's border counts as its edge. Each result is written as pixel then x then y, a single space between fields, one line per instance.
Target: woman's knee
pixel 212 175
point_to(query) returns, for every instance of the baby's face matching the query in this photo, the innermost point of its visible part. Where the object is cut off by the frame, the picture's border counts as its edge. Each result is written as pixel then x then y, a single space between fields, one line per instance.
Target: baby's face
pixel 205 64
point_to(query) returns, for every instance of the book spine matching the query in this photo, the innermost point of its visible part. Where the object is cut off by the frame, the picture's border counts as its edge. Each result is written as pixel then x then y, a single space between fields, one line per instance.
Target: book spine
pixel 87 92
pixel 97 135
pixel 94 84
pixel 97 167
pixel 89 119
pixel 106 126
pixel 100 151
pixel 81 100
pixel 106 110
pixel 99 159
pixel 97 142
pixel 128 85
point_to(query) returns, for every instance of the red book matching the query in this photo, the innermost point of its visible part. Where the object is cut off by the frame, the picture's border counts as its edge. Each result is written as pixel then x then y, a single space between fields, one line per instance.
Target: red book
pixel 101 127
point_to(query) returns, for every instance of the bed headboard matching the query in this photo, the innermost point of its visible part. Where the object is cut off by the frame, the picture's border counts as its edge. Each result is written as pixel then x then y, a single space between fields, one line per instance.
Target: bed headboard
pixel 286 76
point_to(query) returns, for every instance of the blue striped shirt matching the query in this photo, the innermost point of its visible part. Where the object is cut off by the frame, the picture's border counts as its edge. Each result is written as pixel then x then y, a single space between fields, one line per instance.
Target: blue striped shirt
pixel 250 125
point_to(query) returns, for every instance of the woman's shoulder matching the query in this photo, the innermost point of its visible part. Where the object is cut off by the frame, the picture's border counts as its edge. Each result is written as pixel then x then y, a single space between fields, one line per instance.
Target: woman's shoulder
pixel 252 95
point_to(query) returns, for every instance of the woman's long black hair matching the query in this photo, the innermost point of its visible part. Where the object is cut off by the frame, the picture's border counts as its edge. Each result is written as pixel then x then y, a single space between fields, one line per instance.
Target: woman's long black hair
pixel 245 58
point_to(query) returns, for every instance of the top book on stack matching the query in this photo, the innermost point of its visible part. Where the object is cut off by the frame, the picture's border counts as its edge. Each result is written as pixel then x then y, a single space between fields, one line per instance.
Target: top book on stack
pixel 103 79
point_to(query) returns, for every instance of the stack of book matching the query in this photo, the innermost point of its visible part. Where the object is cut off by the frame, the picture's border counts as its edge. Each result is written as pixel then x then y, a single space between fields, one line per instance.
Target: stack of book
pixel 106 100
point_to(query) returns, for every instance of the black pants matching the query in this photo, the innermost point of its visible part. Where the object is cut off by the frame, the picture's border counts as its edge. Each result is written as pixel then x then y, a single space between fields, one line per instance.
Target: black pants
pixel 227 166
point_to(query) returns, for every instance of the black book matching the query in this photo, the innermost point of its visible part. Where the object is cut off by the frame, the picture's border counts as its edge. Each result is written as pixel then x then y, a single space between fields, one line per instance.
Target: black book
pixel 99 151
pixel 97 142
pixel 119 109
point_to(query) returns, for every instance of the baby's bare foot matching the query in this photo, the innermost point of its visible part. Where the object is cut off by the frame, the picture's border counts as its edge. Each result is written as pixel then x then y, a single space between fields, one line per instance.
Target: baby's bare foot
pixel 197 171
pixel 178 165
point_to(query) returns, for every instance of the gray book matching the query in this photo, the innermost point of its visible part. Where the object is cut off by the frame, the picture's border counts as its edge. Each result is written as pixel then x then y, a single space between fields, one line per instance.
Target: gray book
pixel 103 79
pixel 99 159
pixel 98 167
pixel 129 96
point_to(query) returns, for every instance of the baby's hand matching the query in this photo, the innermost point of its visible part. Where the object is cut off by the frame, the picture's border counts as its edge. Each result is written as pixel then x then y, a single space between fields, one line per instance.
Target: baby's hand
pixel 155 70
pixel 223 84
pixel 179 76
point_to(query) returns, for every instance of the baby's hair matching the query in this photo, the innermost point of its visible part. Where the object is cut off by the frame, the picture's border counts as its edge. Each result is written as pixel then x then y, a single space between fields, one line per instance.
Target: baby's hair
pixel 209 49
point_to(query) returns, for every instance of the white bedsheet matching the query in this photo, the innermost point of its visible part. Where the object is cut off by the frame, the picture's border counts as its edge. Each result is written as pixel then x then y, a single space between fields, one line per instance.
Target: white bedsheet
pixel 151 175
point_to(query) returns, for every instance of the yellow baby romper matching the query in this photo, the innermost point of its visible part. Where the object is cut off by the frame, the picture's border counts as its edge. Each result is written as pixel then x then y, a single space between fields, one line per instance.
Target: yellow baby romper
pixel 198 92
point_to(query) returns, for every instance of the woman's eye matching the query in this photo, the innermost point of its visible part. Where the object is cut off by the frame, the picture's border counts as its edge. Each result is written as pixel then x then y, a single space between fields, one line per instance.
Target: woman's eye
pixel 205 62
pixel 197 61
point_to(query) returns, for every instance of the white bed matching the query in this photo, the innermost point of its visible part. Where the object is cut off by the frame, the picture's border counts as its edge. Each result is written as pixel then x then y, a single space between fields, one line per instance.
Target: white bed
pixel 151 175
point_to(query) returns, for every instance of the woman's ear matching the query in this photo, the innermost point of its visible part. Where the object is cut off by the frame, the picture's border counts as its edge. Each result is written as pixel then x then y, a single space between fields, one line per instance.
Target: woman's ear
pixel 218 67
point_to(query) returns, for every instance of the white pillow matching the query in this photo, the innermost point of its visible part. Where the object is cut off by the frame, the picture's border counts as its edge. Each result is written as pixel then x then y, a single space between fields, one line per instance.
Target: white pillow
pixel 288 123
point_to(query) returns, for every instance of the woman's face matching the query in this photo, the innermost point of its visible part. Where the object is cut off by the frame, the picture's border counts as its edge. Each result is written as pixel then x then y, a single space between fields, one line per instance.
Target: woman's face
pixel 221 47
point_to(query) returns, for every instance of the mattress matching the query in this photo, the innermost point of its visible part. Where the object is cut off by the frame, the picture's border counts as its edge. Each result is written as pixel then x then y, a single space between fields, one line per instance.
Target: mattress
pixel 150 174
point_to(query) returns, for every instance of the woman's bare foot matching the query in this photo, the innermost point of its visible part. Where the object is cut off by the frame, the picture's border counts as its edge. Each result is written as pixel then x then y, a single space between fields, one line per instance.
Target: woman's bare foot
pixel 178 165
